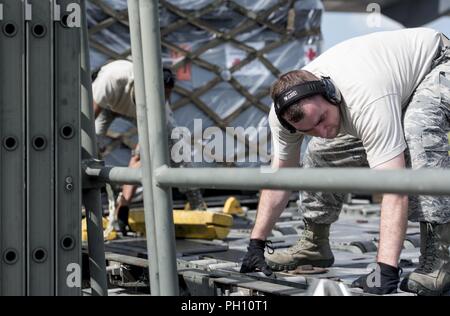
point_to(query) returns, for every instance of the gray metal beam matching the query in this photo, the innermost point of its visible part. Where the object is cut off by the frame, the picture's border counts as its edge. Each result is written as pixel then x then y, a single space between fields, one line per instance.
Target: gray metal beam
pixel 91 196
pixel 355 5
pixel 444 7
pixel 409 13
pixel 357 180
pixel 12 150
pixel 115 175
pixel 40 150
pixel 68 155
pixel 418 13
pixel 156 117
pixel 141 113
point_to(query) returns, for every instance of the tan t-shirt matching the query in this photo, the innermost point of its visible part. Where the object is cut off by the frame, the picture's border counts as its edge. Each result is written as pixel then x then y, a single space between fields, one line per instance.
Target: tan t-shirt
pixel 377 75
pixel 113 87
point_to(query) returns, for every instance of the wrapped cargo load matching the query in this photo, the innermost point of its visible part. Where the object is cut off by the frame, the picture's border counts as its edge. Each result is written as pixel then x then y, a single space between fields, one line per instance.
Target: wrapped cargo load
pixel 226 54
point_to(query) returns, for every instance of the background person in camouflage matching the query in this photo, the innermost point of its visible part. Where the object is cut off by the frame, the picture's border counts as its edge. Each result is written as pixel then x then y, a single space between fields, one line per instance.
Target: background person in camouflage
pixel 113 94
pixel 387 80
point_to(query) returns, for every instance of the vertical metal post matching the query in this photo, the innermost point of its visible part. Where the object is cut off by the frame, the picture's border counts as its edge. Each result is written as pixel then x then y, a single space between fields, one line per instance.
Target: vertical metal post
pixel 141 109
pixel 40 146
pixel 91 196
pixel 12 150
pixel 159 153
pixel 67 153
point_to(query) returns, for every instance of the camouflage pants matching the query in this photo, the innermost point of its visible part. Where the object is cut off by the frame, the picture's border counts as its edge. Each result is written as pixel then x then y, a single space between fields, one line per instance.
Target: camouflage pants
pixel 426 127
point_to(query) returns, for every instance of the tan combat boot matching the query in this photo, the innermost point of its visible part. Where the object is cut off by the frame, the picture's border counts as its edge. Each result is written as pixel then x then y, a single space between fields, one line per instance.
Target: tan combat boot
pixel 432 277
pixel 313 248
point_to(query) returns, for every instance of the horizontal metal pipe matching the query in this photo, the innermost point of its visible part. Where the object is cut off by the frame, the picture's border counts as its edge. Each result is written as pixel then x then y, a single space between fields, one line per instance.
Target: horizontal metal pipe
pixel 119 175
pixel 357 180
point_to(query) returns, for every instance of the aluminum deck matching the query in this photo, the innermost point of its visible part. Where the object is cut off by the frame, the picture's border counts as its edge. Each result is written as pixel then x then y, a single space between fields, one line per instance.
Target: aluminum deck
pixel 211 268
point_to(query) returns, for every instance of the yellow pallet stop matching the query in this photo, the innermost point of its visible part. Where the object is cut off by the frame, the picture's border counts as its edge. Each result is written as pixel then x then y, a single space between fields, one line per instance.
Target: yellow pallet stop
pixel 190 224
pixel 232 206
pixel 208 232
pixel 108 232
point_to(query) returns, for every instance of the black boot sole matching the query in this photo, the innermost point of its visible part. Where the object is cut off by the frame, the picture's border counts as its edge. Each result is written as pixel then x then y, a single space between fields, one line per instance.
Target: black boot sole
pixel 288 267
pixel 411 286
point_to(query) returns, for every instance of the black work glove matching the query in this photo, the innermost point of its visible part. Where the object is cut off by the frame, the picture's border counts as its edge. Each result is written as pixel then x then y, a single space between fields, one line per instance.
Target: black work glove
pixel 254 259
pixel 121 224
pixel 385 275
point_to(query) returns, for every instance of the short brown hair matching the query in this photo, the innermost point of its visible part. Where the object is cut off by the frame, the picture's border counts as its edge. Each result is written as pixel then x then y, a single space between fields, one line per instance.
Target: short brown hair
pixel 286 81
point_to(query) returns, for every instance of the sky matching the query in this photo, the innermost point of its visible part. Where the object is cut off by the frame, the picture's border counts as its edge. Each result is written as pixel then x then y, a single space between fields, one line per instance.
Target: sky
pixel 442 24
pixel 340 26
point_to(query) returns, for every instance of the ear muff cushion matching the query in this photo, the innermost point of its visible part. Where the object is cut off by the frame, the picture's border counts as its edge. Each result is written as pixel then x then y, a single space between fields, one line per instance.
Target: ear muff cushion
pixel 169 78
pixel 325 87
pixel 332 94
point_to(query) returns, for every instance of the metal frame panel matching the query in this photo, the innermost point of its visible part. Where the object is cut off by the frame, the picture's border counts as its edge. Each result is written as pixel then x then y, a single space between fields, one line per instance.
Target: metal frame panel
pixel 68 155
pixel 40 149
pixel 91 191
pixel 12 152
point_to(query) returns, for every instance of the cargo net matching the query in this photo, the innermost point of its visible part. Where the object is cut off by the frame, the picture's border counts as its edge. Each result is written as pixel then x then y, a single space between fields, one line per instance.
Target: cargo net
pixel 225 54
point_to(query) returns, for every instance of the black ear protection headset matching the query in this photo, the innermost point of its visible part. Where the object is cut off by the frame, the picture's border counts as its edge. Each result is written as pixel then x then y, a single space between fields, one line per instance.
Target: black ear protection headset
pixel 169 78
pixel 325 87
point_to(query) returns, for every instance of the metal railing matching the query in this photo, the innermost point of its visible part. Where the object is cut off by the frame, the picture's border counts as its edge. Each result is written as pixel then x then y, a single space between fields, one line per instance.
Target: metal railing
pixel 355 180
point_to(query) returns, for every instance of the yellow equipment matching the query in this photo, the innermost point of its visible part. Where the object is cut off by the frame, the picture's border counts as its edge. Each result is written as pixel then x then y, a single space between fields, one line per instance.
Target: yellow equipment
pixel 232 206
pixel 108 232
pixel 190 224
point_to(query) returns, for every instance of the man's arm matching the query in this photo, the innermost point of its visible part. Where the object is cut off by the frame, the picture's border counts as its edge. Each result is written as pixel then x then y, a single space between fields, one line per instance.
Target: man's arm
pixel 272 203
pixel 97 110
pixel 394 219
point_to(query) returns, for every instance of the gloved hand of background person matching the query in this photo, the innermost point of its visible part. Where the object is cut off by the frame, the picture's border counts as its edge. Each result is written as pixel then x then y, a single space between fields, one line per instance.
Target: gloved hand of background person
pixel 254 259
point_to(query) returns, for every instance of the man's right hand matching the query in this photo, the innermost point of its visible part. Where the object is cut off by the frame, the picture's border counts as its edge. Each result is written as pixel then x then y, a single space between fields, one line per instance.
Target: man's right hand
pixel 254 259
pixel 271 205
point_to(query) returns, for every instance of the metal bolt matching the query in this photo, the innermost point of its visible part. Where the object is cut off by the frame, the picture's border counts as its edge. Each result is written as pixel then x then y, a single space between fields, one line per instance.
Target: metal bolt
pixel 69 183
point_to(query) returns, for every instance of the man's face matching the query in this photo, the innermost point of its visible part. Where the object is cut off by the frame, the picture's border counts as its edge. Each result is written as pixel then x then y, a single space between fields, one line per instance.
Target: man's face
pixel 322 119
